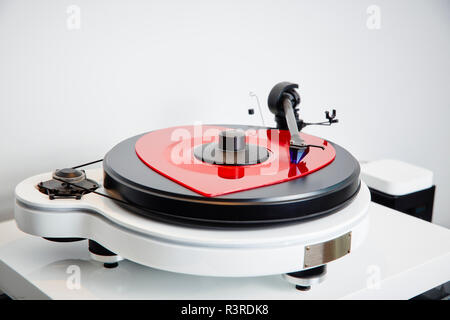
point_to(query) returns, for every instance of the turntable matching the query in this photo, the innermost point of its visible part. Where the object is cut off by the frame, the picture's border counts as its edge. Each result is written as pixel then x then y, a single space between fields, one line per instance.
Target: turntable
pixel 212 200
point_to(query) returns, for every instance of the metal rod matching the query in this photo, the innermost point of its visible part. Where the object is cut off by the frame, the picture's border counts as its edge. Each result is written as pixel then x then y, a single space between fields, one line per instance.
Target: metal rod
pixel 296 141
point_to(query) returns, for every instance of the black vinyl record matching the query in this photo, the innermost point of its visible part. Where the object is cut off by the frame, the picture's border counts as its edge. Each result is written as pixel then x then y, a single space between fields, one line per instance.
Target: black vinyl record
pixel 322 192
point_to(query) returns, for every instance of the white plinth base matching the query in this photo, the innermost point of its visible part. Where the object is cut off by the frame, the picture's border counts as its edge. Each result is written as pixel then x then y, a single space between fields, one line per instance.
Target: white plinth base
pixel 401 258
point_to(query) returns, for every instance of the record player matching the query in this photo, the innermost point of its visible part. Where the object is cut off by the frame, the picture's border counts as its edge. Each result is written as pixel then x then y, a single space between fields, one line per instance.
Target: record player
pixel 211 200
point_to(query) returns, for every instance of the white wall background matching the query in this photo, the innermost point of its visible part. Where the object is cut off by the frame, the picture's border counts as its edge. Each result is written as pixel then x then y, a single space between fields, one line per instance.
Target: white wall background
pixel 67 96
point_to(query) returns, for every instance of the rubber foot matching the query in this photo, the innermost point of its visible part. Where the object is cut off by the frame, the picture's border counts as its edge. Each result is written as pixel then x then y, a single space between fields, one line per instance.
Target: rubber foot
pixel 110 265
pixel 302 288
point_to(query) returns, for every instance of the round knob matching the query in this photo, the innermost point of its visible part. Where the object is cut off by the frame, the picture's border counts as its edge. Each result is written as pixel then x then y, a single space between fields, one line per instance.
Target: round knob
pixel 232 140
pixel 283 90
pixel 69 175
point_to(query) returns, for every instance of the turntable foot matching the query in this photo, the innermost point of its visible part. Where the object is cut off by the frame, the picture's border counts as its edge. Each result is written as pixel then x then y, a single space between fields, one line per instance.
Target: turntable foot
pixel 303 280
pixel 99 253
pixel 302 288
pixel 110 265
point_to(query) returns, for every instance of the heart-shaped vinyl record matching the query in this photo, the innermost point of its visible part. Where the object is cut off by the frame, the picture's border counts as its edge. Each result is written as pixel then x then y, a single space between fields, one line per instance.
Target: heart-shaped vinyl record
pixel 173 152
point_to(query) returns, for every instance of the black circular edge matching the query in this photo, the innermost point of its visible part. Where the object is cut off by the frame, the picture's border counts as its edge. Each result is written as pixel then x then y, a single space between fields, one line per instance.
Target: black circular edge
pixel 228 214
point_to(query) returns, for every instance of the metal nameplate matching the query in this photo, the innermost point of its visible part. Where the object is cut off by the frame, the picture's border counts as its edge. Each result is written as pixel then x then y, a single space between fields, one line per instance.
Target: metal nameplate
pixel 321 253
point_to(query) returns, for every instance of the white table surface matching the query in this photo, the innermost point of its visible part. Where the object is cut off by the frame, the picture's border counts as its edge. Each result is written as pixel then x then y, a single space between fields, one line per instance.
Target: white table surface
pixel 401 258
